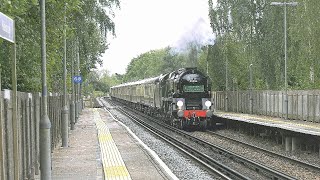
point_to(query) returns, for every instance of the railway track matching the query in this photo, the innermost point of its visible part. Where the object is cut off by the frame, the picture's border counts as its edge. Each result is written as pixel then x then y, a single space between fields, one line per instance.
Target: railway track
pixel 203 158
pixel 214 166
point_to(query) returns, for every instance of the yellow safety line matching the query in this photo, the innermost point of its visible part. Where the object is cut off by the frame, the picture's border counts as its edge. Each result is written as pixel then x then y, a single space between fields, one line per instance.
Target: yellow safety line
pixel 113 165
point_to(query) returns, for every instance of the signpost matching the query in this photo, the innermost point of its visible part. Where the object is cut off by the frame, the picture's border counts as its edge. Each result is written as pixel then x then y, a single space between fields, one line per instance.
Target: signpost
pixel 6 28
pixel 7 32
pixel 77 79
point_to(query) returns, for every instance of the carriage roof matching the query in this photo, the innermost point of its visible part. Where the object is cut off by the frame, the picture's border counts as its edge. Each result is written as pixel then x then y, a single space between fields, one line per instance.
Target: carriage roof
pixel 143 81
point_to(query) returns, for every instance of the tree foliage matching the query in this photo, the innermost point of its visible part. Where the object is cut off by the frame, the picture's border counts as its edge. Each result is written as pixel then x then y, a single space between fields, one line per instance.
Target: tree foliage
pixel 88 24
pixel 156 62
pixel 252 32
pixel 100 81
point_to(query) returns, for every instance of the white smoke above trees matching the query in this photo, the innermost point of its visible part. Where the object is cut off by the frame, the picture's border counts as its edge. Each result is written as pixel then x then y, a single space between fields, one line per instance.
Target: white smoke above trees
pixel 196 36
pixel 190 43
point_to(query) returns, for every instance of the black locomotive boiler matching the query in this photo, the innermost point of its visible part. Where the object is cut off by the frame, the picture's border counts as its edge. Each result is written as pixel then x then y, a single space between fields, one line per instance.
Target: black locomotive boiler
pixel 181 98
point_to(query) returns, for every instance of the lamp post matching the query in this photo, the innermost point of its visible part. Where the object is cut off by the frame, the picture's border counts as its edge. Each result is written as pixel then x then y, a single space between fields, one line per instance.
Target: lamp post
pixel 226 105
pixel 65 110
pixel 207 60
pixel 285 4
pixel 251 99
pixel 72 106
pixel 45 124
pixel 77 88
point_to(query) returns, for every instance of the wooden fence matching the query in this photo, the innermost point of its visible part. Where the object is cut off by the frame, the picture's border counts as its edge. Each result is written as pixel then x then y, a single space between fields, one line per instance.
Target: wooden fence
pixel 302 105
pixel 27 128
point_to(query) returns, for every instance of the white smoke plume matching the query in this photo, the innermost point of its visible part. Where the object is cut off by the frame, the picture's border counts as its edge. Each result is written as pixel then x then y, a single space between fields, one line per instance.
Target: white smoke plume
pixel 199 34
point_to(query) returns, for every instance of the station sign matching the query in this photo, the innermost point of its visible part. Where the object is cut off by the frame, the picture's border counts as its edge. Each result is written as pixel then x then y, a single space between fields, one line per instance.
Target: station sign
pixel 6 28
pixel 77 79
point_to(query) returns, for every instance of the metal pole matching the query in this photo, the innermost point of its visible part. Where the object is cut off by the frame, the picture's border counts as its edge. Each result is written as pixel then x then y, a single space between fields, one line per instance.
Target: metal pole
pixel 81 100
pixel 285 4
pixel 45 124
pixel 251 58
pixel 207 60
pixel 72 107
pixel 285 60
pixel 65 111
pixel 76 86
pixel 226 104
pixel 207 68
pixel 2 165
pixel 15 123
pixel 251 100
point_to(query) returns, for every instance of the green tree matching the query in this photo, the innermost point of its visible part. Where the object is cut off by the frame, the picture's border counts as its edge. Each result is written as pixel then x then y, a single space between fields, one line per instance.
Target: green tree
pixel 253 33
pixel 88 22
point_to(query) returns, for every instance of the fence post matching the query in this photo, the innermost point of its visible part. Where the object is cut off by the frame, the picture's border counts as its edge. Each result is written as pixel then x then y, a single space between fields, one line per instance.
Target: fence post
pixel 251 102
pixel 317 109
pixel 24 147
pixel 297 105
pixel 237 101
pixel 28 134
pixel 72 113
pixel 2 165
pixel 308 107
pixel 282 104
pixel 37 121
pixel 8 133
pixel 302 112
pixel 266 95
pixel 32 135
pixel 59 102
pixel 226 101
pixel 314 106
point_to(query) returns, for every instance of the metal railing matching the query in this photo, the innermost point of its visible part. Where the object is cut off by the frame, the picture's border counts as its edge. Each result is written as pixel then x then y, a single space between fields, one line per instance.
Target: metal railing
pixel 28 118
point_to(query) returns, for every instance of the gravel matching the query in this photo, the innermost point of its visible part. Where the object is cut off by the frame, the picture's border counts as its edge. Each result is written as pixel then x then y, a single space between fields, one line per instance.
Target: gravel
pixel 185 168
pixel 280 164
pixel 180 165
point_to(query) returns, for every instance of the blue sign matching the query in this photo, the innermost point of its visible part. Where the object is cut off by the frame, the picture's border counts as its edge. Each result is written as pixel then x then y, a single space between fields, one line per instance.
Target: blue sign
pixel 77 79
pixel 6 28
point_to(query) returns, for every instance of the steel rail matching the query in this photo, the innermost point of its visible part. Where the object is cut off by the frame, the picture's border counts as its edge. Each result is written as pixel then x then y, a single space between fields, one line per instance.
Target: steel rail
pixel 259 168
pixel 213 165
pixel 308 165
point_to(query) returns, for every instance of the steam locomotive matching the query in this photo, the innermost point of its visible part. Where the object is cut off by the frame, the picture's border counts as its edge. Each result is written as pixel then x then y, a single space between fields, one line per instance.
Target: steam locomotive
pixel 181 98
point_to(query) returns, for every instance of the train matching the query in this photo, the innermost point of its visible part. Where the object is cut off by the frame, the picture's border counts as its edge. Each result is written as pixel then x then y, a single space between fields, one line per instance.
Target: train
pixel 181 98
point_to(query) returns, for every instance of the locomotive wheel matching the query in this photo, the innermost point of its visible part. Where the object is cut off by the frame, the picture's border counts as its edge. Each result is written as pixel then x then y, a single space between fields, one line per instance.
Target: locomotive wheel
pixel 212 125
pixel 182 124
pixel 203 125
pixel 171 120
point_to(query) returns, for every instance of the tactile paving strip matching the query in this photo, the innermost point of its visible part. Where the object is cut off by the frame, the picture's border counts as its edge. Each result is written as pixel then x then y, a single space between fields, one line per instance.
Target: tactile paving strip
pixel 113 165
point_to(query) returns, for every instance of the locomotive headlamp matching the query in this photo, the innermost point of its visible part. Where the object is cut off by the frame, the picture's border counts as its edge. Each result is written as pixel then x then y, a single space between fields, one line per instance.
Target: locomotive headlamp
pixel 180 113
pixel 208 104
pixel 179 103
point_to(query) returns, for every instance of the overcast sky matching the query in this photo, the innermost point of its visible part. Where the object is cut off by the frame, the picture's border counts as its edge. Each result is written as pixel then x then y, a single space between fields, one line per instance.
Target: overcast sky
pixel 143 25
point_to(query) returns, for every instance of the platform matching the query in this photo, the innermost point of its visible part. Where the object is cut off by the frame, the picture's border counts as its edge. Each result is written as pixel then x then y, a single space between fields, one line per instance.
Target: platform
pixel 102 148
pixel 304 127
